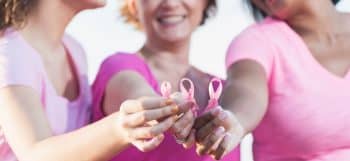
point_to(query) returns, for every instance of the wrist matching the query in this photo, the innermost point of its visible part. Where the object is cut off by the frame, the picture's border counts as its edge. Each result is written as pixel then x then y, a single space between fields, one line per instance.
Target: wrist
pixel 237 127
pixel 118 131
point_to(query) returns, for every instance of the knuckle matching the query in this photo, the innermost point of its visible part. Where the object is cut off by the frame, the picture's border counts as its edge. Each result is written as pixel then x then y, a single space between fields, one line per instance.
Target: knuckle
pixel 143 116
pixel 153 132
pixel 183 134
pixel 149 134
pixel 130 135
pixel 176 128
pixel 124 123
pixel 125 105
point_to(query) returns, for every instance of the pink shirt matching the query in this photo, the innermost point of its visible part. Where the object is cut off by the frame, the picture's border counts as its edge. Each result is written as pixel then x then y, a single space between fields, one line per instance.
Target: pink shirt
pixel 168 150
pixel 20 64
pixel 308 116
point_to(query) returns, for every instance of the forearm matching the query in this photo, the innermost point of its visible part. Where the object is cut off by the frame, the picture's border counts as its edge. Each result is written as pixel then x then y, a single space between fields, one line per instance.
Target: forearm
pixel 96 142
pixel 124 86
pixel 246 103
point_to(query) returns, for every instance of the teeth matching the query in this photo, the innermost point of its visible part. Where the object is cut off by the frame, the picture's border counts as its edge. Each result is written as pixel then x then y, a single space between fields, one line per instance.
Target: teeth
pixel 171 19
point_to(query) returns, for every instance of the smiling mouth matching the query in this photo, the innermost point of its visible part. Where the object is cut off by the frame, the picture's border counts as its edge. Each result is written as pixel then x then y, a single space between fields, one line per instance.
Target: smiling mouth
pixel 171 20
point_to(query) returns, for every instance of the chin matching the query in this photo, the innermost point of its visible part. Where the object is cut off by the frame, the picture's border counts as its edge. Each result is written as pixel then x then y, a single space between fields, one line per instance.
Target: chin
pixel 93 4
pixel 177 36
pixel 175 39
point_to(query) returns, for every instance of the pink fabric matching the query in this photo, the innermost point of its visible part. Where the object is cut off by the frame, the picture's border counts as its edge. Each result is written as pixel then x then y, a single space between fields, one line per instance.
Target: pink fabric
pixel 168 150
pixel 308 116
pixel 21 65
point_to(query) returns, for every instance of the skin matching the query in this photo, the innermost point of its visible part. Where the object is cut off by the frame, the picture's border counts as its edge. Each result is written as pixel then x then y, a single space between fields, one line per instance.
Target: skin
pixel 325 31
pixel 168 26
pixel 23 120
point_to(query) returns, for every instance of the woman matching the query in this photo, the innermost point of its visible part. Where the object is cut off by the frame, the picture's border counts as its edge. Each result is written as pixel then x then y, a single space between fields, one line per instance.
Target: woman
pixel 45 96
pixel 289 82
pixel 168 26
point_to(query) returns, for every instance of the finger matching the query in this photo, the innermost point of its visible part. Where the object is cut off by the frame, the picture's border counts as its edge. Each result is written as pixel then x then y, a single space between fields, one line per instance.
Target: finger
pixel 145 146
pixel 211 140
pixel 178 98
pixel 206 117
pixel 140 118
pixel 191 140
pixel 151 131
pixel 184 107
pixel 132 106
pixel 182 127
pixel 184 134
pixel 221 120
pixel 228 143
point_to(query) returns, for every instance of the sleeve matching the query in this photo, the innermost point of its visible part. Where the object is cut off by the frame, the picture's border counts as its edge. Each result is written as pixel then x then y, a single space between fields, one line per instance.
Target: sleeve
pixel 251 44
pixel 124 62
pixel 18 68
pixel 121 62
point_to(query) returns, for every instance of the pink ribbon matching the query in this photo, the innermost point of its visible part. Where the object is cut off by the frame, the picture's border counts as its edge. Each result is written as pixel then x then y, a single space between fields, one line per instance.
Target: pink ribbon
pixel 188 93
pixel 214 93
pixel 165 89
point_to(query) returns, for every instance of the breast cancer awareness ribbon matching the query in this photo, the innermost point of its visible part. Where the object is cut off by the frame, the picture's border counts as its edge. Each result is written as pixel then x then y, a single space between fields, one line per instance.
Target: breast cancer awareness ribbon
pixel 165 89
pixel 214 93
pixel 188 93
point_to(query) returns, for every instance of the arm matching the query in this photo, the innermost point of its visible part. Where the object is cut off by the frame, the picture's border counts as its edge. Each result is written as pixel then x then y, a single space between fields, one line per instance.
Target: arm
pixel 246 93
pixel 28 133
pixel 244 99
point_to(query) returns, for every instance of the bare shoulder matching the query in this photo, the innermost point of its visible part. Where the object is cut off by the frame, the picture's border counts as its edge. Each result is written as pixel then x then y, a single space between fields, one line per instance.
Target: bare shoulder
pixel 346 21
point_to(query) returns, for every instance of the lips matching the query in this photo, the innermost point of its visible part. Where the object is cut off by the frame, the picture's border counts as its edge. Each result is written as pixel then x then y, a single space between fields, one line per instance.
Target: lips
pixel 171 19
pixel 270 1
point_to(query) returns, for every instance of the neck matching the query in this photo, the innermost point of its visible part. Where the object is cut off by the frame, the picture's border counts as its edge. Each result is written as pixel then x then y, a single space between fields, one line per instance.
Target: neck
pixel 47 24
pixel 317 20
pixel 166 53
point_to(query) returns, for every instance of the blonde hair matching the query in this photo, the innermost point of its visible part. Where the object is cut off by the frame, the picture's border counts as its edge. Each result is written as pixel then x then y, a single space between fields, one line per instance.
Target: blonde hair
pixel 130 18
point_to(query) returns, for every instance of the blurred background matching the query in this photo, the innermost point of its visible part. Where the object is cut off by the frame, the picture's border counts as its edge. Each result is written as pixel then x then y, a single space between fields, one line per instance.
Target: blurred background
pixel 102 32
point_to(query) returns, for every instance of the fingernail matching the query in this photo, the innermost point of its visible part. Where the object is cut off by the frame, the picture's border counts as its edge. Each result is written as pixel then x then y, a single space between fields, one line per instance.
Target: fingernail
pixel 220 130
pixel 223 115
pixel 169 102
pixel 175 109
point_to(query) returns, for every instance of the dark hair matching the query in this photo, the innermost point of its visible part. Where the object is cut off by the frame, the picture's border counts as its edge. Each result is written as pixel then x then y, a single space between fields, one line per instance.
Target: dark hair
pixel 259 14
pixel 209 11
pixel 13 13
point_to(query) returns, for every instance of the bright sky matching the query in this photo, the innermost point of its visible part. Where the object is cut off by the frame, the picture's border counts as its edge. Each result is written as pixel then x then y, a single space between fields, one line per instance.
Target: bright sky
pixel 101 32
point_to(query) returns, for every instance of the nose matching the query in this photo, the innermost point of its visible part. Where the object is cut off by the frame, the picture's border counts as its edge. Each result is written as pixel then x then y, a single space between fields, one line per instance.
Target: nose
pixel 171 4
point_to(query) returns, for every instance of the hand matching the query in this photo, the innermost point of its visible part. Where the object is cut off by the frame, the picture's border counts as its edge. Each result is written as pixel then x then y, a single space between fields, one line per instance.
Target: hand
pixel 142 122
pixel 182 128
pixel 218 133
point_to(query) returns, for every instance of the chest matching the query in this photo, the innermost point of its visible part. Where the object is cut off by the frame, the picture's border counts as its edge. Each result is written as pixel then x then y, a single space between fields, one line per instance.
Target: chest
pixel 332 54
pixel 62 72
pixel 309 106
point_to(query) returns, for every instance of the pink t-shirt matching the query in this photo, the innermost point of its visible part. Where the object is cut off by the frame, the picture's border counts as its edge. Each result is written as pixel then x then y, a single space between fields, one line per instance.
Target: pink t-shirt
pixel 22 65
pixel 168 150
pixel 308 115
